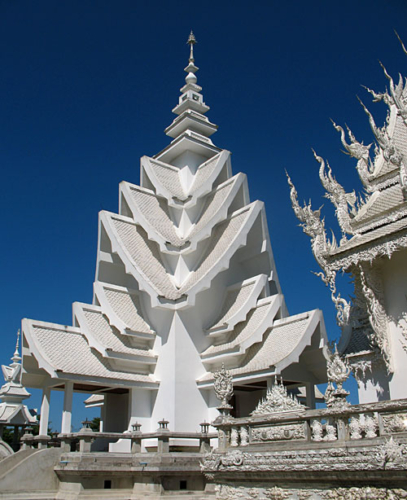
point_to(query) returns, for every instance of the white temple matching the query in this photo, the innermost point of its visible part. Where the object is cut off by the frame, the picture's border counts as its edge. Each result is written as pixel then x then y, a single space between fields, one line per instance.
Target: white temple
pixel 372 250
pixel 185 283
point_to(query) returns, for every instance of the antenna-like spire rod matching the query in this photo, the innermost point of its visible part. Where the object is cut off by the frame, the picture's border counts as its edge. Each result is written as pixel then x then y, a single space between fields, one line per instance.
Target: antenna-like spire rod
pixel 191 42
pixel 16 356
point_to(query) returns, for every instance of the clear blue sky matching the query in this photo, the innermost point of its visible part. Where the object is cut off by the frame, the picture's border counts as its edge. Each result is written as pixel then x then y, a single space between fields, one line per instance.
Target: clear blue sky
pixel 87 88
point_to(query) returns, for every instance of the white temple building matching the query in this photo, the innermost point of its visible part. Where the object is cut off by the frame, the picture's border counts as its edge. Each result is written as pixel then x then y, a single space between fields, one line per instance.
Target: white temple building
pixel 185 282
pixel 372 250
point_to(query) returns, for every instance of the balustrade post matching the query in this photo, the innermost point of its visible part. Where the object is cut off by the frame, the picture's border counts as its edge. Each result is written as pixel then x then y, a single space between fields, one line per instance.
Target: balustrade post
pixel 163 444
pixel 65 441
pixel 343 434
pixel 223 438
pixel 42 441
pixel 136 438
pixel 85 437
pixel 204 440
pixel 27 440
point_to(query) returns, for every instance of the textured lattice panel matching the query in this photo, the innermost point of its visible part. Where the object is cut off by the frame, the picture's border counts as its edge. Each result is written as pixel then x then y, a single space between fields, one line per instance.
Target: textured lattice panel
pixel 69 352
pixel 244 330
pixel 235 299
pixel 157 215
pixel 202 174
pixel 385 201
pixel 128 309
pixel 278 343
pixel 168 177
pixel 108 336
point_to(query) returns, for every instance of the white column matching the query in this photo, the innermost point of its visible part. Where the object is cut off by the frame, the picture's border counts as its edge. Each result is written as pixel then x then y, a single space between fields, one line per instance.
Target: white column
pixel 67 411
pixel 310 390
pixel 139 408
pixel 46 398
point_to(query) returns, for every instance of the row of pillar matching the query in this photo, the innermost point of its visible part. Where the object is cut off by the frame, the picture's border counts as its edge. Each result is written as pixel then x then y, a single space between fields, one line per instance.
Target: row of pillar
pixel 66 423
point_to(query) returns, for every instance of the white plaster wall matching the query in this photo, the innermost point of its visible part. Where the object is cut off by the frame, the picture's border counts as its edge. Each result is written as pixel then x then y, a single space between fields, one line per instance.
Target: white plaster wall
pixel 394 274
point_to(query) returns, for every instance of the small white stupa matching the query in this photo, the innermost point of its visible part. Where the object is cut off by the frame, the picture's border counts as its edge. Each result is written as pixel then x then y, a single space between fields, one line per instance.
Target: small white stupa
pixel 12 410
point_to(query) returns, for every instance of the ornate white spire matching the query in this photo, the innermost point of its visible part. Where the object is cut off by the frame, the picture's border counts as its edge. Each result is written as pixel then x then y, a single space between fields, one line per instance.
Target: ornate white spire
pixel 191 108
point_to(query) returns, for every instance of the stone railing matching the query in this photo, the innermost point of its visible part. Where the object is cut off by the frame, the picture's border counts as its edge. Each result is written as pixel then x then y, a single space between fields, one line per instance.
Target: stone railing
pixel 350 424
pixel 85 437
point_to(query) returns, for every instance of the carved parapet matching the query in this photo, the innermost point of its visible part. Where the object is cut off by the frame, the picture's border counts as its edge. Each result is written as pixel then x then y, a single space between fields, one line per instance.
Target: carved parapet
pixel 339 423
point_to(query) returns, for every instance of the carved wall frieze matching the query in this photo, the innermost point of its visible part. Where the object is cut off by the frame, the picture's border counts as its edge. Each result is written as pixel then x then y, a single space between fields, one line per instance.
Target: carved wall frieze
pixel 232 492
pixel 278 433
pixel 394 423
pixel 368 458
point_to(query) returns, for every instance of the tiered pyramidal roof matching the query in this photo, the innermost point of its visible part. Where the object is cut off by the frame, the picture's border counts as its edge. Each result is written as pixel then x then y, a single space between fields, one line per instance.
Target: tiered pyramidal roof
pixel 185 281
